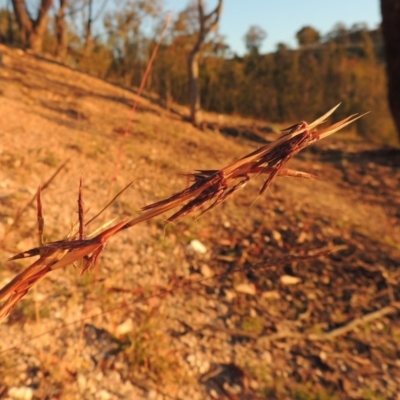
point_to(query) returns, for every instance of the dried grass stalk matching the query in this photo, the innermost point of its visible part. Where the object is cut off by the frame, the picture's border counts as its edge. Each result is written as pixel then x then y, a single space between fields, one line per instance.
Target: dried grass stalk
pixel 212 187
pixel 209 188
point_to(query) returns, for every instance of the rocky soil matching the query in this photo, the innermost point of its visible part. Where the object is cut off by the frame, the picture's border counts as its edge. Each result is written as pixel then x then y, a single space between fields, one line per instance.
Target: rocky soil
pixel 209 308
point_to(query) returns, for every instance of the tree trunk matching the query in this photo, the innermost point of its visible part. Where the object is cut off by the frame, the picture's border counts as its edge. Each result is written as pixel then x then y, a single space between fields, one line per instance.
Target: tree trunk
pixel 194 95
pixel 391 34
pixel 88 34
pixel 10 30
pixel 24 21
pixel 208 23
pixel 168 96
pixel 35 41
pixel 61 31
pixel 32 30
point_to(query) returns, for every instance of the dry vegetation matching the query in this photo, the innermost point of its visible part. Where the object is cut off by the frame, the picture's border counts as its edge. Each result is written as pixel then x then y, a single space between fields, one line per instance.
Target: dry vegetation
pixel 156 319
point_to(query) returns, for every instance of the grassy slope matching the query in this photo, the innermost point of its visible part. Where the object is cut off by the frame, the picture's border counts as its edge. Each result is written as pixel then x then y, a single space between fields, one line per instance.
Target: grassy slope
pixel 50 113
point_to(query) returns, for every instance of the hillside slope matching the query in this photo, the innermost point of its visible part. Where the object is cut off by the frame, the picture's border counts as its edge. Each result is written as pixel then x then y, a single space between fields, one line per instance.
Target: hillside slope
pixel 116 334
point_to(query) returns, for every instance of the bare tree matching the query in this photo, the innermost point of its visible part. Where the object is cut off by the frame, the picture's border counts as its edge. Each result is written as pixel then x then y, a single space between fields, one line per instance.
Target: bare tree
pixel 391 34
pixel 207 23
pixel 90 19
pixel 254 38
pixel 32 30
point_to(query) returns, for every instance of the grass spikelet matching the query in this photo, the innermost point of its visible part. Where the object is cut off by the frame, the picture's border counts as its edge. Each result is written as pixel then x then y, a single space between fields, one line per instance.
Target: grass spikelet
pixel 209 188
pixel 215 186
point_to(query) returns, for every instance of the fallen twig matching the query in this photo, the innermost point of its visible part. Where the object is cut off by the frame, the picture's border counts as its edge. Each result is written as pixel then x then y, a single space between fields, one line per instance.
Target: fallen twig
pixel 350 326
pixel 334 333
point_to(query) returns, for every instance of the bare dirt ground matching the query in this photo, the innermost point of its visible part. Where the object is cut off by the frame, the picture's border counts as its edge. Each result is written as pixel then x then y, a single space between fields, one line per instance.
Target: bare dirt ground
pixel 323 329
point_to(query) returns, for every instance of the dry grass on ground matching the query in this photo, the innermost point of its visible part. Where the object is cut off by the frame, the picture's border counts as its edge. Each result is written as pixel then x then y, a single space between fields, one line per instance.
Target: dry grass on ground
pixel 295 331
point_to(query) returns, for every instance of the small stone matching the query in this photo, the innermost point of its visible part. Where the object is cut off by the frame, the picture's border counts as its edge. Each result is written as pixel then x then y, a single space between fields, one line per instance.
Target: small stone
pixel 191 359
pixel 198 247
pixel 267 357
pixel 229 295
pixel 276 236
pixel 206 271
pixel 20 393
pixel 214 394
pixel 302 237
pixel 272 295
pixel 99 376
pixel 254 385
pixel 245 243
pixel 289 280
pixel 103 395
pixel 152 395
pixel 312 295
pixel 203 366
pixel 222 308
pixel 267 239
pixel 82 381
pixel 125 327
pixel 379 326
pixel 323 356
pixel 247 288
pixel 4 60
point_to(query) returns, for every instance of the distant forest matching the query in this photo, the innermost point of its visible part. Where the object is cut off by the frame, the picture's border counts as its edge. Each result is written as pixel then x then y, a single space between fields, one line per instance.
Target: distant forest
pixel 344 65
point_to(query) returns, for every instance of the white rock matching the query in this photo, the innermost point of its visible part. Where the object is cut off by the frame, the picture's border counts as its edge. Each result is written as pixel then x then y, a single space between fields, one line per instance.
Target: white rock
pixel 125 327
pixel 198 247
pixel 191 359
pixel 103 395
pixel 203 366
pixel 289 280
pixel 247 288
pixel 20 393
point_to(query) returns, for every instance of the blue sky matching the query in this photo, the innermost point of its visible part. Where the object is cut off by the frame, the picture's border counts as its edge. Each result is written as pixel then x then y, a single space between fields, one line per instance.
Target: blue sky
pixel 281 19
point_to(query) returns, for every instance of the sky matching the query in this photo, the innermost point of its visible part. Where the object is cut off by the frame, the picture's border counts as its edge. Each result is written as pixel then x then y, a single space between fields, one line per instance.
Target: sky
pixel 281 19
